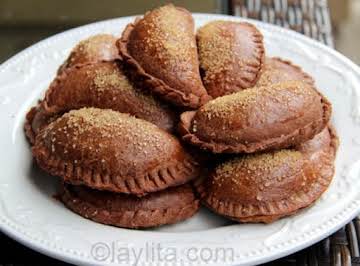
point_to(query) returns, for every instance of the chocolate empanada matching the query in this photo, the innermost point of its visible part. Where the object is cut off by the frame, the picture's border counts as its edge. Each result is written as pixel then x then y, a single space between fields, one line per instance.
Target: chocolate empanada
pixel 277 70
pixel 163 207
pixel 256 119
pixel 104 85
pixel 97 48
pixel 108 150
pixel 161 52
pixel 35 120
pixel 321 149
pixel 265 187
pixel 231 55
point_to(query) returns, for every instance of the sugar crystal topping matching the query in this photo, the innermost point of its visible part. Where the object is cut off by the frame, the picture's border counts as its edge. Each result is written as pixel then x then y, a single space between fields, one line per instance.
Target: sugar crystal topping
pixel 94 44
pixel 256 167
pixel 168 32
pixel 226 105
pixel 106 77
pixel 277 70
pixel 105 125
pixel 215 48
pixel 92 118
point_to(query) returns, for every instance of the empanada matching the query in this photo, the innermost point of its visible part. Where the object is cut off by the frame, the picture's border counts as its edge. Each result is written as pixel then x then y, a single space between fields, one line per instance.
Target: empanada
pixel 231 55
pixel 265 187
pixel 160 51
pixel 262 118
pixel 108 150
pixel 97 48
pixel 276 70
pixel 164 207
pixel 104 85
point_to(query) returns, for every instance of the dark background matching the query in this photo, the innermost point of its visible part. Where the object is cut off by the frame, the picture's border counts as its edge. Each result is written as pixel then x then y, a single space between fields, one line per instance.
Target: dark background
pixel 24 22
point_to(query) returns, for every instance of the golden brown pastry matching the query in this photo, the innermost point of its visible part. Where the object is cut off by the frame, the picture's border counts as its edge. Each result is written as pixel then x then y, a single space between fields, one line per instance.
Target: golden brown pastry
pixel 97 48
pixel 277 70
pixel 257 119
pixel 168 206
pixel 104 85
pixel 231 55
pixel 160 50
pixel 108 150
pixel 265 187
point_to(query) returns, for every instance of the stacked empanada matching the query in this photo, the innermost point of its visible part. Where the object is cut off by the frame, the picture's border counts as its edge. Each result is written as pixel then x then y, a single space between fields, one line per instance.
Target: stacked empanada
pixel 132 124
pixel 111 143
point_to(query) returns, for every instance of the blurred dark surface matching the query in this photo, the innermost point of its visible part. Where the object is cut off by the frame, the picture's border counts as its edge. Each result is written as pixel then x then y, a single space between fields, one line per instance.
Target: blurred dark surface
pixel 13 253
pixel 23 23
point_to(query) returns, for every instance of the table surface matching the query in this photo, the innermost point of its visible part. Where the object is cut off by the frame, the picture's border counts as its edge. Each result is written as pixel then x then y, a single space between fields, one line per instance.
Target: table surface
pixel 12 252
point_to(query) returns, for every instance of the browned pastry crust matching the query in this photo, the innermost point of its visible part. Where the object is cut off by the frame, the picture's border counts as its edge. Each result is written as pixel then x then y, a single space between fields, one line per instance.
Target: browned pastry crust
pixel 31 131
pixel 160 51
pixel 257 119
pixel 265 187
pixel 35 120
pixel 104 85
pixel 164 207
pixel 231 56
pixel 97 48
pixel 277 70
pixel 108 150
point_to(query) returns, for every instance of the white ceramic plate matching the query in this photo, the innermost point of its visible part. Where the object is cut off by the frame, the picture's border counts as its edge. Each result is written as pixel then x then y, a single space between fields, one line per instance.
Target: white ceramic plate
pixel 30 214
